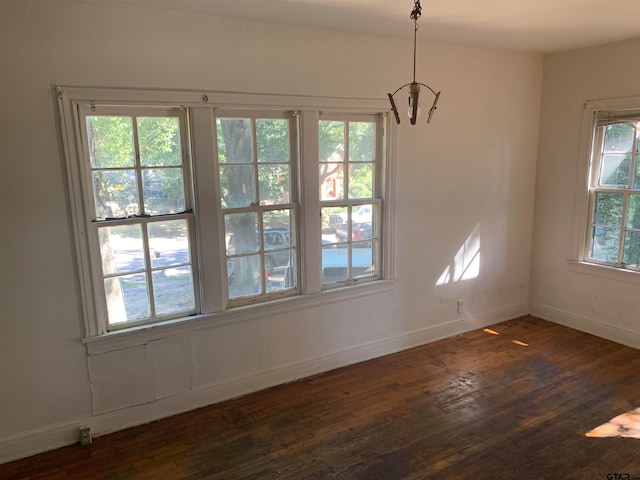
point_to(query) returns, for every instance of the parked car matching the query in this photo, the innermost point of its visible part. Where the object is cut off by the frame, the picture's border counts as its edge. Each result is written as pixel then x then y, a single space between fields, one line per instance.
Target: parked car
pixel 276 246
pixel 359 231
pixel 335 220
pixel 276 249
pixel 363 214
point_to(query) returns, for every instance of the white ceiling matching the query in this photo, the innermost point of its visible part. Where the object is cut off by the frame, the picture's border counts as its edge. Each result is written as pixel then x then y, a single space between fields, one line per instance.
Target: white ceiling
pixel 541 26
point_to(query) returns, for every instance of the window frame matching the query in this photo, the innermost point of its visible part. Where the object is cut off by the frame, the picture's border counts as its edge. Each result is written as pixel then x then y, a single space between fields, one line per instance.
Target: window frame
pixel 590 155
pixel 201 109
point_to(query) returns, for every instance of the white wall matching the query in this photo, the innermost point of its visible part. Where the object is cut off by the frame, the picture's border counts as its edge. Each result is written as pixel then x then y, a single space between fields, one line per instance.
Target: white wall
pixel 467 179
pixel 560 292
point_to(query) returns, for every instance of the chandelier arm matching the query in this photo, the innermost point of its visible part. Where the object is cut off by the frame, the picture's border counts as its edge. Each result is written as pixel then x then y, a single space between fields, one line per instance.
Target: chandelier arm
pixel 424 85
pixel 394 109
pixel 433 107
pixel 405 85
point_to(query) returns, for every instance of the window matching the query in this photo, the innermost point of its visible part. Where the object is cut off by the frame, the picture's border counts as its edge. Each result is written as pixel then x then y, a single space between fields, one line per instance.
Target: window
pixel 141 221
pixel 190 206
pixel 349 198
pixel 613 227
pixel 257 200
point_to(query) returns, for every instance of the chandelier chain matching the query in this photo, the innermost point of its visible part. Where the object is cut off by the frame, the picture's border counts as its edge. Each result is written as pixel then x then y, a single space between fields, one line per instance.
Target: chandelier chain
pixel 417 11
pixel 415 15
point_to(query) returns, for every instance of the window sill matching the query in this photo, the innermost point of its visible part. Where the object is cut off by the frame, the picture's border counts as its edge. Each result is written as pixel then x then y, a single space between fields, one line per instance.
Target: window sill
pixel 141 335
pixel 604 271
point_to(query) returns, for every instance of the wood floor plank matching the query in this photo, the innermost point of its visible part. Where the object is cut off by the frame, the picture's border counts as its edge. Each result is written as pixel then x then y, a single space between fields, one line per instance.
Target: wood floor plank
pixel 511 401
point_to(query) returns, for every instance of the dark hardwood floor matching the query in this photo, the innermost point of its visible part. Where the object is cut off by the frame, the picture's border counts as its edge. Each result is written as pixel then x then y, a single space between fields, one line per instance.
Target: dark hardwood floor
pixel 515 405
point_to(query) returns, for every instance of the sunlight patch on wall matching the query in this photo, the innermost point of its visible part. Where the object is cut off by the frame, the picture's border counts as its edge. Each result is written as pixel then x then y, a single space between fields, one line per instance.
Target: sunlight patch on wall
pixel 466 263
pixel 626 425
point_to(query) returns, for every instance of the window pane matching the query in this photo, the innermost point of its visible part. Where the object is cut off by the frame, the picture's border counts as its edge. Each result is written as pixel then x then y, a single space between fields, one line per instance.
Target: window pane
pixel 343 232
pixel 246 277
pixel 277 229
pixel 331 141
pixel 173 290
pixel 236 186
pixel 127 298
pixel 110 142
pixel 159 141
pixel 361 228
pixel 362 232
pixel 361 180
pixel 632 248
pixel 242 229
pixel 605 244
pixel 636 177
pixel 332 217
pixel 279 243
pixel 615 170
pixel 619 138
pixel 335 262
pixel 121 249
pixel 163 191
pixel 115 193
pixel 234 140
pixel 273 140
pixel 362 261
pixel 169 243
pixel 609 209
pixel 361 141
pixel 363 214
pixel 274 184
pixel 283 278
pixel 633 212
pixel 331 181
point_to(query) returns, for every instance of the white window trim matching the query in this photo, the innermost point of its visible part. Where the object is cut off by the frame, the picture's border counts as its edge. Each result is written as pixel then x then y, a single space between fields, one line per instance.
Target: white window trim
pixel 578 261
pixel 201 108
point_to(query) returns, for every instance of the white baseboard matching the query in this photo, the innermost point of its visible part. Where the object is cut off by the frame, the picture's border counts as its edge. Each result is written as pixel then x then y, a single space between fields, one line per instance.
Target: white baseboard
pixel 585 324
pixel 39 440
pixel 55 436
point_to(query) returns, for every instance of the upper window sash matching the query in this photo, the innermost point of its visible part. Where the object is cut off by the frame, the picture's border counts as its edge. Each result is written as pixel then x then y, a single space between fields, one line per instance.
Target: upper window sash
pixel 138 161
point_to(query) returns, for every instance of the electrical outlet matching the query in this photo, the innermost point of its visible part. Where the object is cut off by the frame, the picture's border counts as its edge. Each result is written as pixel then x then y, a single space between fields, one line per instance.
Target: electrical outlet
pixel 85 436
pixel 460 306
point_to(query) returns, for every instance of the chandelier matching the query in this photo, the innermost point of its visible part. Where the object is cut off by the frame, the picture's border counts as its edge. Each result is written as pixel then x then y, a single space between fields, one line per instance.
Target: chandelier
pixel 414 87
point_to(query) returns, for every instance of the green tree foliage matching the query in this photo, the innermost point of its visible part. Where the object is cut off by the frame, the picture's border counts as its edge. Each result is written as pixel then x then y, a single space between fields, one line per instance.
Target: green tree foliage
pixel 361 141
pixel 272 139
pixel 159 139
pixel 361 154
pixel 112 154
pixel 619 138
pixel 110 144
